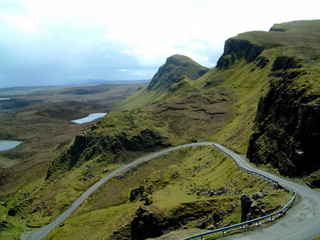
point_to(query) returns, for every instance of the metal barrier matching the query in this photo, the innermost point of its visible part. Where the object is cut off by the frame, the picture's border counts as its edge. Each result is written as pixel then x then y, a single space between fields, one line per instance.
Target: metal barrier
pixel 259 175
pixel 257 220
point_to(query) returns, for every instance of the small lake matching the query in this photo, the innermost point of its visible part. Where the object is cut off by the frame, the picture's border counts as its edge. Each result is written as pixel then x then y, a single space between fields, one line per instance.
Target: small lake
pixel 3 99
pixel 91 117
pixel 7 145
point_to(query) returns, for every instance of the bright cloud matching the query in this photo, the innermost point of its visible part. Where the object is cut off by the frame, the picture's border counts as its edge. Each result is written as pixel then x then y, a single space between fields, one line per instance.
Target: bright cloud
pixel 68 40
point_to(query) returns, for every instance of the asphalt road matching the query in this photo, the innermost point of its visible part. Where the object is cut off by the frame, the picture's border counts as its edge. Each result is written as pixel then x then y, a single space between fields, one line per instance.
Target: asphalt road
pixel 43 231
pixel 301 222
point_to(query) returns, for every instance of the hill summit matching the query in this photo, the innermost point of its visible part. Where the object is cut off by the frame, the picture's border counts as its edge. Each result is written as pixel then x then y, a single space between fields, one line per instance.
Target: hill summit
pixel 175 67
pixel 174 70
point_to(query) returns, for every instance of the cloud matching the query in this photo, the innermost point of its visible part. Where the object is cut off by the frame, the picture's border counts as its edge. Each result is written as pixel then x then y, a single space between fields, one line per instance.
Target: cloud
pixel 66 40
pixel 27 25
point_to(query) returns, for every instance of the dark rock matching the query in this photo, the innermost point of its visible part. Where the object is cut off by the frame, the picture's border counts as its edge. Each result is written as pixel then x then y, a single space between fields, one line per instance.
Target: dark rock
pixel 218 217
pixel 13 211
pixel 257 195
pixel 285 63
pixel 262 61
pixel 314 180
pixel 87 145
pixel 148 201
pixel 173 70
pixel 201 225
pixel 287 126
pixel 145 225
pixel 238 49
pixel 175 175
pixel 246 202
pixel 136 194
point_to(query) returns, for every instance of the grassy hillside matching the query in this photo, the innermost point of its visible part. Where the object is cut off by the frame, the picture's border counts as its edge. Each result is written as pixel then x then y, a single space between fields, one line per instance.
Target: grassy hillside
pixel 171 192
pixel 176 68
pixel 262 96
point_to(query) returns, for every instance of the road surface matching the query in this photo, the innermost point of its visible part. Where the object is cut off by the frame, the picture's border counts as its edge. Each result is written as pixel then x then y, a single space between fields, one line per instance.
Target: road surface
pixel 301 222
pixel 43 231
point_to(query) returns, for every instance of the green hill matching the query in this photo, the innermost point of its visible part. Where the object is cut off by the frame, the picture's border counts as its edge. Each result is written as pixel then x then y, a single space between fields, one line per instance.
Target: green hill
pixel 262 100
pixel 175 68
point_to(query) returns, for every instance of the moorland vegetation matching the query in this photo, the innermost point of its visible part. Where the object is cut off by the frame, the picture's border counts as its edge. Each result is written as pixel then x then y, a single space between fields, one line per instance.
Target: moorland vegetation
pixel 261 100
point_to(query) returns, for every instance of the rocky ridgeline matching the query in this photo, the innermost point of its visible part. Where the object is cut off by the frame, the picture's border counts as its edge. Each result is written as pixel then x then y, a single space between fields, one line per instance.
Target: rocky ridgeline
pixel 173 70
pixel 238 49
pixel 93 144
pixel 286 127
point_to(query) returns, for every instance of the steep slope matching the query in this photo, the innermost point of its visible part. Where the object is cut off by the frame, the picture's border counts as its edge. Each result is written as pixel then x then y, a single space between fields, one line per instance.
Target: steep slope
pixel 287 129
pixel 172 71
pixel 275 76
pixel 175 67
pixel 261 99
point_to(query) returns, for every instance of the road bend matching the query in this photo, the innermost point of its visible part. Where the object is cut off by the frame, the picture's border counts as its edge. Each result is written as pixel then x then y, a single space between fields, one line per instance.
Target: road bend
pixel 43 231
pixel 301 222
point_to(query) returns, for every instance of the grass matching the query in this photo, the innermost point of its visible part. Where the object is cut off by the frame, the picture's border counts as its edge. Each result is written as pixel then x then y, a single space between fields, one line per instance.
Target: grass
pixel 174 178
pixel 219 106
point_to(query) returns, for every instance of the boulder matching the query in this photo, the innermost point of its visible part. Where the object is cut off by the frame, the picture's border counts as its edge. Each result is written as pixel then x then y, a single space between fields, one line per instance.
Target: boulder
pixel 257 195
pixel 145 225
pixel 136 193
pixel 246 202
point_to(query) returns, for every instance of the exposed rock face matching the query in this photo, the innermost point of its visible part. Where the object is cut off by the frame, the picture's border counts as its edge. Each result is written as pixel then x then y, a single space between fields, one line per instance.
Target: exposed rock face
pixel 250 208
pixel 136 193
pixel 171 72
pixel 237 49
pixel 246 202
pixel 145 225
pixel 87 145
pixel 287 126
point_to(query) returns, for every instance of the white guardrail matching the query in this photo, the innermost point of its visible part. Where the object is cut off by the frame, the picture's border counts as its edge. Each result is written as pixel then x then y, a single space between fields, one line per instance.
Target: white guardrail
pixel 257 220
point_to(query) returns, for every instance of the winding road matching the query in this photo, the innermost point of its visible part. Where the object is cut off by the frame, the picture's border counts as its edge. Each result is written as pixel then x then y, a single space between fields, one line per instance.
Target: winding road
pixel 301 222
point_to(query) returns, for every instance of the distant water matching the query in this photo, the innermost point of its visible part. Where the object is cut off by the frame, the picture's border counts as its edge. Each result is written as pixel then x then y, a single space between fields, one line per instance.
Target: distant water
pixel 7 145
pixel 90 118
pixel 2 99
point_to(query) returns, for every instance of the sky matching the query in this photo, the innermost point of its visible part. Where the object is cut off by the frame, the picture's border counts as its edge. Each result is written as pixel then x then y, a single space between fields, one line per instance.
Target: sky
pixel 53 42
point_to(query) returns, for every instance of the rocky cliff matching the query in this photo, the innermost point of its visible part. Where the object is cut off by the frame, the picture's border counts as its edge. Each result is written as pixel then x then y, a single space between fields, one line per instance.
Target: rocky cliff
pixel 86 146
pixel 285 62
pixel 237 49
pixel 287 127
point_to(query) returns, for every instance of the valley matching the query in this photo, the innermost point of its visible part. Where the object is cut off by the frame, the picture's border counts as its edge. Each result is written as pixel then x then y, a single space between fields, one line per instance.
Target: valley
pixel 261 101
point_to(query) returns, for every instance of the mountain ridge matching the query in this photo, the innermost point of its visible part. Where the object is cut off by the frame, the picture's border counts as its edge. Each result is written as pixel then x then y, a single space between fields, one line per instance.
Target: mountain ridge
pixel 262 100
pixel 176 69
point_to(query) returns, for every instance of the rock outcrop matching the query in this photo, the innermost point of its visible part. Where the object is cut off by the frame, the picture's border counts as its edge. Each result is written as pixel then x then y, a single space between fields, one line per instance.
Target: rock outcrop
pixel 287 126
pixel 250 208
pixel 173 70
pixel 88 145
pixel 237 49
pixel 146 225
